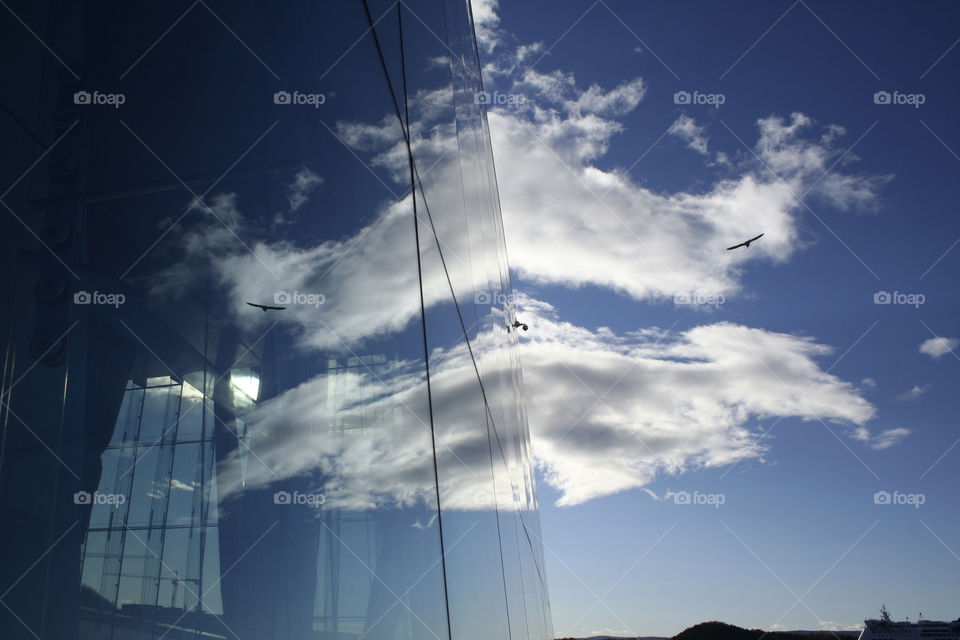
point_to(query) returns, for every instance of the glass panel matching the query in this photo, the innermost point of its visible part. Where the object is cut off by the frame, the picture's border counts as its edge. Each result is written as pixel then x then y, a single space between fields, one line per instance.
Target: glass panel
pixel 239 399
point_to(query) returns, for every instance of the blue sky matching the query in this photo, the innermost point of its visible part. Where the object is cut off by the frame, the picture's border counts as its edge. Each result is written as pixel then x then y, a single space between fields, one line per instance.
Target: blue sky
pixel 788 394
pixel 765 436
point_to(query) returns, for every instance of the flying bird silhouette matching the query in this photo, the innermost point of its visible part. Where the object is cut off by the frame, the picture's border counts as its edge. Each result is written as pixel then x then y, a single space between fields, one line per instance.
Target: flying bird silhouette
pixel 266 308
pixel 517 324
pixel 745 243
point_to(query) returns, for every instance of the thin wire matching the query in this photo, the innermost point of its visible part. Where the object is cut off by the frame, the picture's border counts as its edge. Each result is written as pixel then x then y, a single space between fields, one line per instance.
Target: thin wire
pixel 473 359
pixel 423 313
pixel 463 328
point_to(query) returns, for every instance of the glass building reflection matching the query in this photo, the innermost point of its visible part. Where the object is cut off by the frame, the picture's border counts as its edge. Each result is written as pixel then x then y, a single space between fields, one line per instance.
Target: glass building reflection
pixel 177 462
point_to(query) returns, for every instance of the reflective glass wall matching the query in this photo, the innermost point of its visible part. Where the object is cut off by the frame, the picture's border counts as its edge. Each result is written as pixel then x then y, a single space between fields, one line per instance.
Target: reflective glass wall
pixel 260 376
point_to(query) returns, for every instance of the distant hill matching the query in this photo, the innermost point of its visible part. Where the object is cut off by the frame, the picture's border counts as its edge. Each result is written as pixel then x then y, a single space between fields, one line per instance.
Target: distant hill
pixel 722 631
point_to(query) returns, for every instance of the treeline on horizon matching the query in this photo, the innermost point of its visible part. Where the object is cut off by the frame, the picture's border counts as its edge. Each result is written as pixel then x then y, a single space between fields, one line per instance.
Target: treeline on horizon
pixel 715 630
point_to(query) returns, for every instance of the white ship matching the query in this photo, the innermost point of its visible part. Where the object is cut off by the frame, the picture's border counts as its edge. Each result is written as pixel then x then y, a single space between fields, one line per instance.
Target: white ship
pixel 887 629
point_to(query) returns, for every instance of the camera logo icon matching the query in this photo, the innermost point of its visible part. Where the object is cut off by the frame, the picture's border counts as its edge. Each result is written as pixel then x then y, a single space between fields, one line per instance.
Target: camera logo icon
pixel 481 97
pixel 484 499
pixel 281 497
pixel 281 297
pixel 881 497
pixel 681 497
pixel 881 97
pixel 82 497
pixel 882 297
pixel 481 297
pixel 81 97
pixel 281 97
pixel 681 97
pixel 82 297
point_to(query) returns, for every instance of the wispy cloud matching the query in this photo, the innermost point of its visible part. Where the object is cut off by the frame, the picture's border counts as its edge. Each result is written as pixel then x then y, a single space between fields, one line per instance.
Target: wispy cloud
pixel 302 186
pixel 883 440
pixel 611 412
pixel 687 129
pixel 939 346
pixel 607 412
pixel 914 393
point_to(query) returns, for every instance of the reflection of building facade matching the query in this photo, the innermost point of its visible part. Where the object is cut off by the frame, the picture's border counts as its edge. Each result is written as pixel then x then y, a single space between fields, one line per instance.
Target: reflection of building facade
pixel 175 463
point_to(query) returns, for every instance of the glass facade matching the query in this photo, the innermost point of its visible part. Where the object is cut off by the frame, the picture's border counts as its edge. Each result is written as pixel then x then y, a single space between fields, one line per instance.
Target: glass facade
pixel 260 375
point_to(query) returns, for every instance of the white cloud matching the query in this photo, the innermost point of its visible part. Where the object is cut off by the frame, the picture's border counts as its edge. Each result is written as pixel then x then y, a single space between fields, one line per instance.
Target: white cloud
pixel 572 223
pixel 181 485
pixel 358 276
pixel 937 347
pixel 438 62
pixel 302 186
pixel 810 164
pixel 687 129
pixel 883 440
pixel 914 393
pixel 567 221
pixel 299 434
pixel 486 22
pixel 557 92
pixel 607 413
pixel 669 402
pixel 618 101
pixel 889 438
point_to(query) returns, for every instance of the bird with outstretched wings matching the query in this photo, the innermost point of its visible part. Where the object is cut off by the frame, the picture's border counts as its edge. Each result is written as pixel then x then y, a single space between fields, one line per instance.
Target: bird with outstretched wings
pixel 745 243
pixel 266 308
